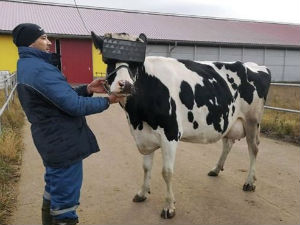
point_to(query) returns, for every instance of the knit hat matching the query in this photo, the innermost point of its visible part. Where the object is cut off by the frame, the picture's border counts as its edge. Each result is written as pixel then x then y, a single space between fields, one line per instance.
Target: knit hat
pixel 26 33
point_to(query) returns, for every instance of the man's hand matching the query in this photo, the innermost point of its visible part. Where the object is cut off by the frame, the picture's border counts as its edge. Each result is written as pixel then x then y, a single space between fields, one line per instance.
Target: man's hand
pixel 114 99
pixel 96 86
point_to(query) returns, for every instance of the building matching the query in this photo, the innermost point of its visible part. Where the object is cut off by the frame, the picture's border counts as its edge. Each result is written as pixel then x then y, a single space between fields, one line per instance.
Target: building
pixel 186 37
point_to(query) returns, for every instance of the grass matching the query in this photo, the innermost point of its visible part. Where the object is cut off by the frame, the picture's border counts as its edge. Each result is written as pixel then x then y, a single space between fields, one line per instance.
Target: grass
pixel 10 155
pixel 282 125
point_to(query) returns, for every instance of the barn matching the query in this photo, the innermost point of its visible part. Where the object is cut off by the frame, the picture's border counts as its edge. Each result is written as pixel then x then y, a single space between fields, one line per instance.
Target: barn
pixel 275 45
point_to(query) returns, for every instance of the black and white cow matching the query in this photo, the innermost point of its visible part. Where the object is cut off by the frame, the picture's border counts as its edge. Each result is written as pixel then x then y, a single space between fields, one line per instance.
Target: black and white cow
pixel 173 100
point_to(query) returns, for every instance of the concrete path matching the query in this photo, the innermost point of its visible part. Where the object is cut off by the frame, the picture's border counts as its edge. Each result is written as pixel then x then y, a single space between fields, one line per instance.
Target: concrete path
pixel 113 176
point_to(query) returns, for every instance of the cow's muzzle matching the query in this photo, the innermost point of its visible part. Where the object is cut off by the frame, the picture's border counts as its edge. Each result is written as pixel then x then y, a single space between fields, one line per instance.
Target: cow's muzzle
pixel 126 87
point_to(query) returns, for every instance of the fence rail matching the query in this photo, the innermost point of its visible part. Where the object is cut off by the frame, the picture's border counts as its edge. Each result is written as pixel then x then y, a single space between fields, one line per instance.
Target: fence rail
pixel 285 84
pixel 8 82
pixel 283 109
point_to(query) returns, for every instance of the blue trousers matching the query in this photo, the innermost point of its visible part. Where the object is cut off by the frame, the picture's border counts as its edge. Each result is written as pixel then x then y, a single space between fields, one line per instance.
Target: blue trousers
pixel 63 190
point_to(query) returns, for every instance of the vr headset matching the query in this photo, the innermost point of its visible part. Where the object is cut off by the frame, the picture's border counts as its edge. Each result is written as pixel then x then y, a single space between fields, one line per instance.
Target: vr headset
pixel 123 50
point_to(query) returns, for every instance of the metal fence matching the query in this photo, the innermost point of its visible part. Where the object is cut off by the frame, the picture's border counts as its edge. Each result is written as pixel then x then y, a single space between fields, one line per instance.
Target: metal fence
pixel 8 83
pixel 283 109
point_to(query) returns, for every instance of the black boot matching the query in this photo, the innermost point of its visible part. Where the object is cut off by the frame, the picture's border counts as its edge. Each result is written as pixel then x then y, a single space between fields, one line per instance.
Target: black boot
pixel 46 217
pixel 65 221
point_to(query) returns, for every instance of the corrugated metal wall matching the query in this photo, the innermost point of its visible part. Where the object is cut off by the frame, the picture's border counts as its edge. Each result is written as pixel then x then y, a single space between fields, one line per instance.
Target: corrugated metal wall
pixel 283 63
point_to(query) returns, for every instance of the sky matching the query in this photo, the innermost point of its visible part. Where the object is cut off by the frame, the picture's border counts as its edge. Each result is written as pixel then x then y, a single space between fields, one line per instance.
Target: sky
pixel 287 11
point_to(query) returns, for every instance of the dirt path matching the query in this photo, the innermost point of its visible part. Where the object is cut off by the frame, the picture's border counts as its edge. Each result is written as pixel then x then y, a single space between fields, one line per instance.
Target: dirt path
pixel 113 176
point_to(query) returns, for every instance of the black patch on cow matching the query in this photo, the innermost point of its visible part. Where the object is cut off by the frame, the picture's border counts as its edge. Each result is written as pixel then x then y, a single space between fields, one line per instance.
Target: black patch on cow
pixel 140 127
pixel 190 116
pixel 206 95
pixel 261 81
pixel 233 110
pixel 186 95
pixel 152 104
pixel 195 125
pixel 245 89
pixel 234 86
pixel 235 95
pixel 231 80
pixel 218 65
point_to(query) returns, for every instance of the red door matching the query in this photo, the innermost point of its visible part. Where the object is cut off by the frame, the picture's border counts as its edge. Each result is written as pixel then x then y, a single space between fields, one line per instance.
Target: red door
pixel 76 60
pixel 53 47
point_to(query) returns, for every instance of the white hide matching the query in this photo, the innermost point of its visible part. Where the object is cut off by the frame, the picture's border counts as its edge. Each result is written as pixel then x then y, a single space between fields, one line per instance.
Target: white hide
pixel 256 68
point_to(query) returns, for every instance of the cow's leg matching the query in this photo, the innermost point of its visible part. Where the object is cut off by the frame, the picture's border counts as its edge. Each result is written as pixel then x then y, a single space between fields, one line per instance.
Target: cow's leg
pixel 147 165
pixel 252 129
pixel 227 145
pixel 168 155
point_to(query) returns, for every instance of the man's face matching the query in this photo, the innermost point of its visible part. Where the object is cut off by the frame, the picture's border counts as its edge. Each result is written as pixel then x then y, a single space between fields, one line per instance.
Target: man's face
pixel 42 43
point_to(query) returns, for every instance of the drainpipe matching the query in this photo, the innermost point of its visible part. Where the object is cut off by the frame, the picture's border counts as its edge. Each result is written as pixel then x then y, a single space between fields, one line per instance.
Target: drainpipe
pixel 172 48
pixel 284 65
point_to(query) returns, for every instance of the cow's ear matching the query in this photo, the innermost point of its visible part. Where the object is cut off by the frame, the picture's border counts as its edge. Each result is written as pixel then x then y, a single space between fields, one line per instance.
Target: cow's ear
pixel 98 41
pixel 143 37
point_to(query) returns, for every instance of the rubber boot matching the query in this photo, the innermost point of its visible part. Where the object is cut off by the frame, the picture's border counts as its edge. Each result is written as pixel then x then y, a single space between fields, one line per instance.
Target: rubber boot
pixel 46 217
pixel 65 221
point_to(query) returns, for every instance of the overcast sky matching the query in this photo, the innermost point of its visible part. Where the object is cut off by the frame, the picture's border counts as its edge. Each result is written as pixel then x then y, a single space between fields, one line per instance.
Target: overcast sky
pixel 287 11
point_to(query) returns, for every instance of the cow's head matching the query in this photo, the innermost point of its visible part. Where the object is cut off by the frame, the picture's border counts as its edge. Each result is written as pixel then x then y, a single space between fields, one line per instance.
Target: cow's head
pixel 123 54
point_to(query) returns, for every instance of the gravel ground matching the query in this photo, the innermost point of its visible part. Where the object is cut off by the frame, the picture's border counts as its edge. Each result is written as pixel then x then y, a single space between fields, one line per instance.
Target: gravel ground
pixel 113 176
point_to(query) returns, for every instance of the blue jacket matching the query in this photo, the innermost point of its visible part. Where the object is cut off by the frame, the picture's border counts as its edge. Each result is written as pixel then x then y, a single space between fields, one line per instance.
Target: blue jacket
pixel 55 110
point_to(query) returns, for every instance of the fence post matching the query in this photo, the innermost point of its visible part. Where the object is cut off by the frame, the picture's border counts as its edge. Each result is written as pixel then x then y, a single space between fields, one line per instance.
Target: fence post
pixel 6 91
pixel 13 82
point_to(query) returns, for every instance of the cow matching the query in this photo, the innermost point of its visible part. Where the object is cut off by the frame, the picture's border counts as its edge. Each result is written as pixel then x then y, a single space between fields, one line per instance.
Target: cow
pixel 167 100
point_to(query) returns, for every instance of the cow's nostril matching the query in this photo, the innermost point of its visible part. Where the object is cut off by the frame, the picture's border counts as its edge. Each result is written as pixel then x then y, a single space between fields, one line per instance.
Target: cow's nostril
pixel 122 83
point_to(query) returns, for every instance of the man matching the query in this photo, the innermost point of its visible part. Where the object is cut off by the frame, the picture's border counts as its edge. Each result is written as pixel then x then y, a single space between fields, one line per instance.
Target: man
pixel 56 112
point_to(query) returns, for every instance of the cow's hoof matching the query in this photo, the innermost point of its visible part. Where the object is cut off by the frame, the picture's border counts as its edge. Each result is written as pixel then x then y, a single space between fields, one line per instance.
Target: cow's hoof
pixel 138 198
pixel 167 213
pixel 249 187
pixel 212 173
